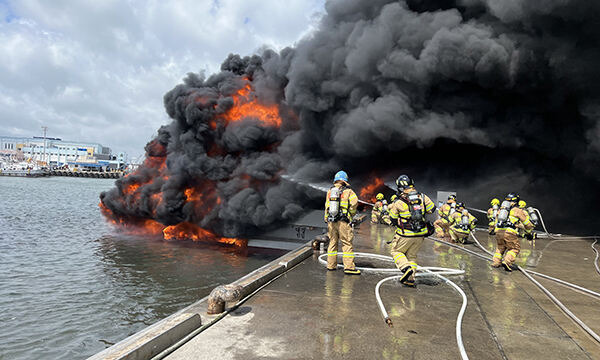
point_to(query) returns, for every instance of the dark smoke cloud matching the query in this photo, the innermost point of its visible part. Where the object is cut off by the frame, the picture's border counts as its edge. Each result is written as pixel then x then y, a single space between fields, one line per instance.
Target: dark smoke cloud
pixel 481 96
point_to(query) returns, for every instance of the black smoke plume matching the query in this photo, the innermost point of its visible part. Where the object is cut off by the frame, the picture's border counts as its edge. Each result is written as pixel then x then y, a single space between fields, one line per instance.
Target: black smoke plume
pixel 479 96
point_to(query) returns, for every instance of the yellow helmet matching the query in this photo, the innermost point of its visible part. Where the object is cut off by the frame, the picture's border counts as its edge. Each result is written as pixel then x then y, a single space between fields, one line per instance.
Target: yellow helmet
pixel 495 202
pixel 379 196
pixel 393 198
pixel 522 204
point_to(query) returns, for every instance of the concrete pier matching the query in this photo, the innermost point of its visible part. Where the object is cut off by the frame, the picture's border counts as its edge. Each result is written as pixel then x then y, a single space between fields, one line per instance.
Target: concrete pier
pixel 310 313
pixel 88 174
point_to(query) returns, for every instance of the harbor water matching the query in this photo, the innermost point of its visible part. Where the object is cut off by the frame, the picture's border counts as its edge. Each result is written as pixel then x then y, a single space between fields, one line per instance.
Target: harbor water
pixel 70 285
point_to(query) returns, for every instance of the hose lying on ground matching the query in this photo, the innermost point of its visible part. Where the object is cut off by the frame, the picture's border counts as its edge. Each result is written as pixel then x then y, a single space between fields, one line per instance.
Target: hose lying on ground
pixel 597 256
pixel 526 273
pixel 562 282
pixel 425 271
pixel 559 237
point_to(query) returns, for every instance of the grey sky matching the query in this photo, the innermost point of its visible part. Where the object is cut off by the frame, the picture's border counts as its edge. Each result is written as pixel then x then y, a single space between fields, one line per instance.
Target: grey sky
pixel 97 70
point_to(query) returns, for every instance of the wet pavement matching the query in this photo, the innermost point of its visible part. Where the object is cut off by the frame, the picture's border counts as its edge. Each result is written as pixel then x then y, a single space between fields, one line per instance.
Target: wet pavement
pixel 310 313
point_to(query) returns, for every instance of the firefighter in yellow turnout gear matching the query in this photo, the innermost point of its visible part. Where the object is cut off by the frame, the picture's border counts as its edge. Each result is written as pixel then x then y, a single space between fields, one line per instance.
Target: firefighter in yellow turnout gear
pixel 510 218
pixel 461 224
pixel 340 207
pixel 380 214
pixel 492 213
pixel 408 214
pixel 377 209
pixel 442 225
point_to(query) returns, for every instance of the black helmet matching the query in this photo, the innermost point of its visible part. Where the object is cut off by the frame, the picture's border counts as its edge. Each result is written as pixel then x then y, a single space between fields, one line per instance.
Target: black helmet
pixel 513 197
pixel 452 197
pixel 403 182
pixel 460 205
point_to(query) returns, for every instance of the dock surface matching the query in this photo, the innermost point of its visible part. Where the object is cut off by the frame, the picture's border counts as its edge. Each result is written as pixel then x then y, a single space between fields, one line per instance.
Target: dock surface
pixel 311 313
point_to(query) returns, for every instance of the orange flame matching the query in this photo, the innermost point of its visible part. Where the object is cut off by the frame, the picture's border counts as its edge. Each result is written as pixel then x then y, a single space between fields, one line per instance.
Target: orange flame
pixel 189 231
pixel 181 231
pixel 367 193
pixel 192 194
pixel 202 196
pixel 130 189
pixel 246 105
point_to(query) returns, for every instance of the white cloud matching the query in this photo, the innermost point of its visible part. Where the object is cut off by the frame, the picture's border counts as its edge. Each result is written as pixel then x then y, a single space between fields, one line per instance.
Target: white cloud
pixel 97 70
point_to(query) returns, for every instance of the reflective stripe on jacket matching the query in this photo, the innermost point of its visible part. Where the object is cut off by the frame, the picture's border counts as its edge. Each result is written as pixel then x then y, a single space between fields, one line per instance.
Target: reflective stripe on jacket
pixel 455 220
pixel 400 210
pixel 517 216
pixel 444 211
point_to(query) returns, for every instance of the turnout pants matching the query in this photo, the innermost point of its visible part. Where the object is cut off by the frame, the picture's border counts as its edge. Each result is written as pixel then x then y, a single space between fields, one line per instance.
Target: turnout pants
pixel 441 229
pixel 375 216
pixel 340 231
pixel 404 251
pixel 508 247
pixel 457 236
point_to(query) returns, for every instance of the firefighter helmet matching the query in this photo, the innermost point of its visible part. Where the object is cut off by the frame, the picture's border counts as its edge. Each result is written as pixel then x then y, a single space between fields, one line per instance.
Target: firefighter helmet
pixel 495 202
pixel 452 197
pixel 522 204
pixel 512 197
pixel 379 196
pixel 460 205
pixel 341 176
pixel 404 182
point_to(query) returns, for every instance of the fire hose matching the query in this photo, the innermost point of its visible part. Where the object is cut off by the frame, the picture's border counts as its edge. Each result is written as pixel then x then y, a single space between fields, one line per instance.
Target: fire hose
pixel 425 271
pixel 597 256
pixel 559 237
pixel 542 288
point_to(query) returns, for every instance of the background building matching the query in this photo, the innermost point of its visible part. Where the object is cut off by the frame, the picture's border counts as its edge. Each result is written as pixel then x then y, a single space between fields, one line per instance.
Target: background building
pixel 58 153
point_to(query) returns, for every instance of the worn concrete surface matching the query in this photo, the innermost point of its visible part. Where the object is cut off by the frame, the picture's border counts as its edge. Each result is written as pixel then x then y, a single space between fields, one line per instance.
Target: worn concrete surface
pixel 310 313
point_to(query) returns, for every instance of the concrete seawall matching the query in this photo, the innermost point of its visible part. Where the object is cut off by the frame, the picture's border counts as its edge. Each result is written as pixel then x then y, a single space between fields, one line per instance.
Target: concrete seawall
pixel 167 332
pixel 88 174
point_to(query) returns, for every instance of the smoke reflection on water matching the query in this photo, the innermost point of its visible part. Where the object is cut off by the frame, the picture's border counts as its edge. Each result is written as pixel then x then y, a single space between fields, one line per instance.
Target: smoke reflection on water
pixel 70 287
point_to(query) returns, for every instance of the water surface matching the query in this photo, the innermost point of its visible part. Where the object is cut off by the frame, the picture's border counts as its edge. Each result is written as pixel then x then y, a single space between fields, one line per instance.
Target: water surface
pixel 70 285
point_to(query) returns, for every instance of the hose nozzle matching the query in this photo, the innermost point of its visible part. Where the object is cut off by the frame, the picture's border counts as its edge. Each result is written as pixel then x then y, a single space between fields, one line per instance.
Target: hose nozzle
pixel 389 322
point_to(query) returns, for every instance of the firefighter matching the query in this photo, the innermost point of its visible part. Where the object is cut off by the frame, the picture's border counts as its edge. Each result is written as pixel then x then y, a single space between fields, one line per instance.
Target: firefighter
pixel 377 209
pixel 408 214
pixel 491 215
pixel 441 225
pixel 510 217
pixel 461 224
pixel 340 207
pixel 385 214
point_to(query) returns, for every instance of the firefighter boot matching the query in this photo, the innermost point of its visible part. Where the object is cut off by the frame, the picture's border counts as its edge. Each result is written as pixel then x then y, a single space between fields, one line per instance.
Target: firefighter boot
pixel 352 271
pixel 509 260
pixel 407 273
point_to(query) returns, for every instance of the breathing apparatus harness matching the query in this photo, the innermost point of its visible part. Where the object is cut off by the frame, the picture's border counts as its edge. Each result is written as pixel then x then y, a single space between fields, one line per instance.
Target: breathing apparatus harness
pixel 533 216
pixel 464 220
pixel 494 211
pixel 504 215
pixel 384 206
pixel 416 206
pixel 334 210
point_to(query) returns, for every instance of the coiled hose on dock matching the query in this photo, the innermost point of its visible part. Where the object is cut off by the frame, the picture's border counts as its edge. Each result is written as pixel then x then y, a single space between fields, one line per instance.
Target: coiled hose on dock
pixel 422 271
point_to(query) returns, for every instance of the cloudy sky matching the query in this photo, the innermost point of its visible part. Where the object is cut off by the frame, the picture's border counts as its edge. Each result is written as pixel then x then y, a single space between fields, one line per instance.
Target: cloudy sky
pixel 97 70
